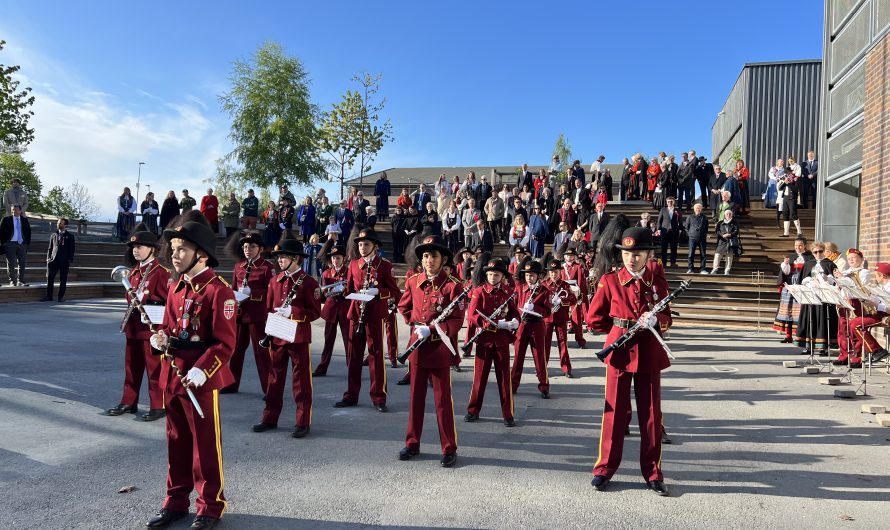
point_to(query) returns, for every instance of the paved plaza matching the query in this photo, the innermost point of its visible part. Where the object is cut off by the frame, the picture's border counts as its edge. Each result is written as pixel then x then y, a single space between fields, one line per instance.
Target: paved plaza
pixel 755 445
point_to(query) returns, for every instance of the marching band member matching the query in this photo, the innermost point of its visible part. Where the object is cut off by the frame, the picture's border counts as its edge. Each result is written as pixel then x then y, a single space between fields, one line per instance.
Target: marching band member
pixel 878 316
pixel 294 295
pixel 562 301
pixel 250 279
pixel 335 308
pixel 426 296
pixel 496 334
pixel 533 299
pixel 198 335
pixel 622 298
pixel 369 275
pixel 150 281
pixel 850 348
pixel 575 272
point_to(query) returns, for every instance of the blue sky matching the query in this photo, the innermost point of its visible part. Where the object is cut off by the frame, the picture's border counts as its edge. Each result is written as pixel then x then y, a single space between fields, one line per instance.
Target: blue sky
pixel 467 83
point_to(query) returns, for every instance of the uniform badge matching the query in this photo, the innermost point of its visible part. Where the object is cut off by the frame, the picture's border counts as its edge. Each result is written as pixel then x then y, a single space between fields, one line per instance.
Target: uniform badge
pixel 195 338
pixel 229 309
pixel 629 241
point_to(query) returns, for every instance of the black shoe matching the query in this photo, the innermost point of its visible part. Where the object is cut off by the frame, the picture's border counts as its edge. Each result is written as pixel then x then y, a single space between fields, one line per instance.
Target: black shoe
pixel 343 404
pixel 153 415
pixel 407 453
pixel 120 410
pixel 785 340
pixel 470 418
pixel 365 361
pixel 164 518
pixel 600 482
pixel 879 355
pixel 299 432
pixel 569 375
pixel 449 460
pixel 664 438
pixel 627 431
pixel 229 390
pixel 404 381
pixel 394 364
pixel 468 355
pixel 203 522
pixel 839 362
pixel 658 487
pixel 46 299
pixel 545 395
pixel 381 407
pixel 510 422
pixel 263 427
pixel 319 374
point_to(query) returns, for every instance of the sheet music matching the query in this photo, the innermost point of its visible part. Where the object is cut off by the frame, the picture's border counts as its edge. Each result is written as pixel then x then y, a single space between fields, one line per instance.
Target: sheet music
pixel 155 313
pixel 360 297
pixel 834 296
pixel 281 327
pixel 803 294
pixel 851 289
pixel 878 292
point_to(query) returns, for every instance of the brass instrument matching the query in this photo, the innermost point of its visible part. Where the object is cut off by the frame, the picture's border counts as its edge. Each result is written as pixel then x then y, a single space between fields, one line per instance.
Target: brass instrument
pixel 331 286
pixel 124 272
pixel 121 274
pixel 531 296
pixel 560 294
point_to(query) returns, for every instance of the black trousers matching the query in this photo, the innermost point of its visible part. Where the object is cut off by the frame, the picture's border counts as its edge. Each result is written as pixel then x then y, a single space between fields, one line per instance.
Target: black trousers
pixel 668 238
pixel 702 246
pixel 53 267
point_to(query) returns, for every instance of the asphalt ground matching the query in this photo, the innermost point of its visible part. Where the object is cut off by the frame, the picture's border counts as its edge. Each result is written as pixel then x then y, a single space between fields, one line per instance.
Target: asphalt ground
pixel 754 444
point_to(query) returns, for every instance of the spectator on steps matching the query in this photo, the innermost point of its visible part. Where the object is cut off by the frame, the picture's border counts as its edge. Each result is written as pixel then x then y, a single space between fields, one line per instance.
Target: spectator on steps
pixel 59 257
pixel 169 209
pixel 187 202
pixel 15 195
pixel 727 242
pixel 15 237
pixel 696 227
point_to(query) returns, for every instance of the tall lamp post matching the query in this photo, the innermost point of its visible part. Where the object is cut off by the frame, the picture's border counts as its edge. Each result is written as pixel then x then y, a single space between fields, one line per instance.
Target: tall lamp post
pixel 139 179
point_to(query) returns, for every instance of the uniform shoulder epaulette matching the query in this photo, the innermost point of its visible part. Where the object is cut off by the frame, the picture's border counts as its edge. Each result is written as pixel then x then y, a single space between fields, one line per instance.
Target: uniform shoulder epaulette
pixel 454 279
pixel 223 280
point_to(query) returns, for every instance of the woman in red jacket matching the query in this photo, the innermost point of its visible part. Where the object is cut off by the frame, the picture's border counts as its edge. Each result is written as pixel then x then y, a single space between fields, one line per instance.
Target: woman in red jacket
pixel 652 178
pixel 404 201
pixel 742 174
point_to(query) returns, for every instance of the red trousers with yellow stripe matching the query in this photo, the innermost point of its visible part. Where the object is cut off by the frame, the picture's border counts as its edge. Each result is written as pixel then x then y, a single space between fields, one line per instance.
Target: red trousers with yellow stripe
pixel 647 389
pixel 373 339
pixel 485 357
pixel 139 358
pixel 194 454
pixel 441 378
pixel 301 382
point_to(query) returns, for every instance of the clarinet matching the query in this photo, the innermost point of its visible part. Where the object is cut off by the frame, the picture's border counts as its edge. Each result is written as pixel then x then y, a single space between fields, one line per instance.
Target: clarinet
pixel 247 270
pixel 360 325
pixel 531 296
pixel 134 300
pixel 438 320
pixel 631 331
pixel 266 341
pixel 494 314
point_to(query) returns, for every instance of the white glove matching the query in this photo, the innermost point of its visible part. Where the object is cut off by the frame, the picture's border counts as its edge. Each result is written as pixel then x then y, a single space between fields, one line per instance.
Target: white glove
pixel 373 291
pixel 556 300
pixel 528 307
pixel 196 377
pixel 576 290
pixel 338 289
pixel 806 281
pixel 882 307
pixel 422 332
pixel 158 341
pixel 648 320
pixel 281 226
pixel 508 324
pixel 283 311
pixel 245 290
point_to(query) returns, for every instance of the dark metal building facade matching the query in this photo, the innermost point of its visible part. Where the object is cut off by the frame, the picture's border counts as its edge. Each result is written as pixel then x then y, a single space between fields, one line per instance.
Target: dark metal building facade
pixel 771 112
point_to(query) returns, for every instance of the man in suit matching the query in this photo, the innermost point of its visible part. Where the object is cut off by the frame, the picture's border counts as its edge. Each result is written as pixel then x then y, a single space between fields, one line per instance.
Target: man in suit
pixel 623 190
pixel 59 256
pixel 422 198
pixel 597 223
pixel 482 237
pixel 468 219
pixel 360 208
pixel 686 180
pixel 668 230
pixel 525 178
pixel 15 195
pixel 809 170
pixel 482 192
pixel 15 237
pixel 345 219
pixel 703 172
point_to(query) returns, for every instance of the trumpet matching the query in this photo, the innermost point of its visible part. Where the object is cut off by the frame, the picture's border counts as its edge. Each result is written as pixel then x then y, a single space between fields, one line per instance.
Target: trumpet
pixel 556 300
pixel 331 286
pixel 121 274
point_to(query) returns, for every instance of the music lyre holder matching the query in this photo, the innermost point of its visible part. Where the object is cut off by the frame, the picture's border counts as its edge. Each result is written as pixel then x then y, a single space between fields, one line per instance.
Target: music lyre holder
pixel 806 295
pixel 853 292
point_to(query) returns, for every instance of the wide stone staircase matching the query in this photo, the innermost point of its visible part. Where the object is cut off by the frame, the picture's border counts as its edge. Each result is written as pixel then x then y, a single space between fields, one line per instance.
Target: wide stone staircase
pixel 747 298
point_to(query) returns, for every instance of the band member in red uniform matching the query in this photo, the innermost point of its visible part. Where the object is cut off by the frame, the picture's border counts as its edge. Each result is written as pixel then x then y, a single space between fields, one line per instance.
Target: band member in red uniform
pixel 294 295
pixel 622 298
pixel 533 300
pixel 413 270
pixel 199 336
pixel 848 338
pixel 368 275
pixel 426 296
pixel 392 333
pixel 335 308
pixel 561 302
pixel 493 345
pixel 871 313
pixel 150 281
pixel 575 272
pixel 250 279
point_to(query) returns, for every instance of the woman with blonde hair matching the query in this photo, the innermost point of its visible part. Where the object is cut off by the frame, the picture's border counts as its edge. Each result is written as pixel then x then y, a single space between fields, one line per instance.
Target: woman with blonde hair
pixel 834 254
pixel 519 234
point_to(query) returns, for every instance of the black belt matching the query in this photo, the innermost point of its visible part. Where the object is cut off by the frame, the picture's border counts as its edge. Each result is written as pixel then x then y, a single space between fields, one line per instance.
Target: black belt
pixel 179 344
pixel 532 319
pixel 622 323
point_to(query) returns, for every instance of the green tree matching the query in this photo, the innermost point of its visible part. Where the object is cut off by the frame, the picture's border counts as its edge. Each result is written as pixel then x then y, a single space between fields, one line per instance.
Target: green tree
pixel 15 111
pixel 56 203
pixel 13 166
pixel 372 133
pixel 227 179
pixel 273 120
pixel 563 151
pixel 341 134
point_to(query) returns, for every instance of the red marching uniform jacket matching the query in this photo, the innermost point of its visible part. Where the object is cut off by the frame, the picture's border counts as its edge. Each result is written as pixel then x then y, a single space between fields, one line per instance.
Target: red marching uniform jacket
pixel 154 288
pixel 541 301
pixel 379 274
pixel 576 272
pixel 561 314
pixel 305 305
pixel 618 303
pixel 200 325
pixel 253 309
pixel 335 306
pixel 423 301
pixel 485 299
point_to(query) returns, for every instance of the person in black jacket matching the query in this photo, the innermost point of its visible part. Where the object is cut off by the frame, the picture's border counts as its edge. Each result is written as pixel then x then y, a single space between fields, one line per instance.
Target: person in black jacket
pixel 59 257
pixel 703 172
pixel 696 227
pixel 15 238
pixel 686 181
pixel 715 187
pixel 398 236
pixel 597 223
pixel 669 225
pixel 251 206
pixel 727 241
pixel 789 187
pixel 169 209
pixel 623 190
pixel 667 179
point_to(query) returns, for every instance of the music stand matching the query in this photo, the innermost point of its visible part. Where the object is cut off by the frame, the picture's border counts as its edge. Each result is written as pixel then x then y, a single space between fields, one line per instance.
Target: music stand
pixel 832 295
pixel 853 292
pixel 805 295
